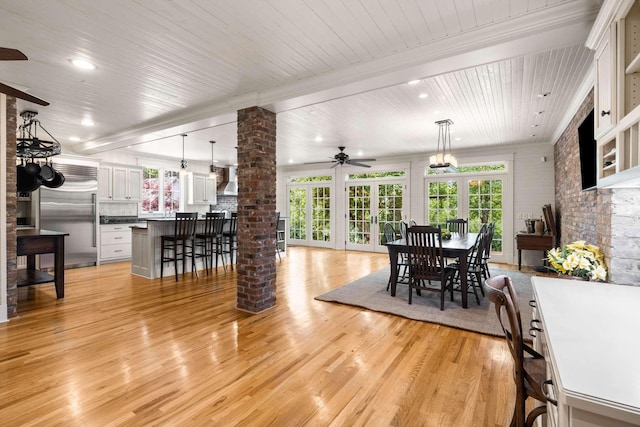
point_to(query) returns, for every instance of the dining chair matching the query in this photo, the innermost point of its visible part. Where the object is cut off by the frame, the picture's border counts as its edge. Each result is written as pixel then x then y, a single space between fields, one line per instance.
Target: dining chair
pixel 180 244
pixel 458 225
pixel 486 256
pixel 389 236
pixel 210 240
pixel 403 261
pixel 474 267
pixel 426 262
pixel 529 365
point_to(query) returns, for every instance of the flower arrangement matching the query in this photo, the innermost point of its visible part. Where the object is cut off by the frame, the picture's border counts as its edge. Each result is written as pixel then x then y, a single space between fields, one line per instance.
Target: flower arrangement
pixel 578 259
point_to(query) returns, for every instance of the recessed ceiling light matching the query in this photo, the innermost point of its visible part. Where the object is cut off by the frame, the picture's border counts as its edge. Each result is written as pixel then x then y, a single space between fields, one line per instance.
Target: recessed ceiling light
pixel 359 153
pixel 318 138
pixel 458 139
pixel 436 111
pixel 87 122
pixel 544 94
pixel 74 139
pixel 413 82
pixel 81 63
pixel 290 160
pixel 424 95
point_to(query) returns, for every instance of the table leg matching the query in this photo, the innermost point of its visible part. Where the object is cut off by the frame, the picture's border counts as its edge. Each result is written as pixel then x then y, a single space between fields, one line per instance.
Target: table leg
pixel 519 259
pixel 393 260
pixel 58 257
pixel 463 278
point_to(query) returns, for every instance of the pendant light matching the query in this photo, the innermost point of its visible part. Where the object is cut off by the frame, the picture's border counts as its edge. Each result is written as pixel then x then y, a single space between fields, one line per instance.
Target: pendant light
pixel 443 161
pixel 183 162
pixel 212 168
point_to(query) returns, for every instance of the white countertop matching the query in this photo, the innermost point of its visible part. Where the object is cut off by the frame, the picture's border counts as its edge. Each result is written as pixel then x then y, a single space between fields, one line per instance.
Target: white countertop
pixel 593 335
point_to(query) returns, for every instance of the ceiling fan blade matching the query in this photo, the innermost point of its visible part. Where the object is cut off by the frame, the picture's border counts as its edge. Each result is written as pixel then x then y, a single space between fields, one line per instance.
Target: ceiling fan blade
pixel 7 54
pixel 319 163
pixel 8 90
pixel 364 160
pixel 335 164
pixel 354 163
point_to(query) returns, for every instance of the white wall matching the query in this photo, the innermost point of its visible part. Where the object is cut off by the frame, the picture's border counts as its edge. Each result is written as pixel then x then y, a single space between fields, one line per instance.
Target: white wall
pixel 533 187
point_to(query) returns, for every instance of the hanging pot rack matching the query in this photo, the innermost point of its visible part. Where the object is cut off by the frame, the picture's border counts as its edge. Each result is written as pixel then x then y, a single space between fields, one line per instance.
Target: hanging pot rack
pixel 29 146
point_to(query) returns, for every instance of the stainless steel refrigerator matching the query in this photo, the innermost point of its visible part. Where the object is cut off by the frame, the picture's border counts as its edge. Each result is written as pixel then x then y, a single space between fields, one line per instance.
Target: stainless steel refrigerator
pixel 71 208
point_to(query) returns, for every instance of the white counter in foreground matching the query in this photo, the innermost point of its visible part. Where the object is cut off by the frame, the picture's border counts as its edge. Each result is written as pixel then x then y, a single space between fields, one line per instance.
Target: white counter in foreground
pixel 592 351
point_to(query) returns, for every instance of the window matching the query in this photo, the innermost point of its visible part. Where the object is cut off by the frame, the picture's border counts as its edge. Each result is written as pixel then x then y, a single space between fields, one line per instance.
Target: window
pixel 298 213
pixel 151 190
pixel 442 202
pixel 171 191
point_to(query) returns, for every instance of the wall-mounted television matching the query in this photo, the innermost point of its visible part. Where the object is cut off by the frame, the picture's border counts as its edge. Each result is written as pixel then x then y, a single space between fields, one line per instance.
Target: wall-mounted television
pixel 588 150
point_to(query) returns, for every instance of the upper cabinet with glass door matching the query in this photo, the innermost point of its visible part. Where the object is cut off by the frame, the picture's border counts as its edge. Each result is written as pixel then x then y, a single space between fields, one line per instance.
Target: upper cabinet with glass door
pixel 615 38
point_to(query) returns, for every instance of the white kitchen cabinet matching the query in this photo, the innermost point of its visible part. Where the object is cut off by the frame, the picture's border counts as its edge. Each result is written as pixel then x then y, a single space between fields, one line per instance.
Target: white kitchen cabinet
pixel 615 38
pixel 120 183
pixel 202 189
pixel 605 85
pixel 115 242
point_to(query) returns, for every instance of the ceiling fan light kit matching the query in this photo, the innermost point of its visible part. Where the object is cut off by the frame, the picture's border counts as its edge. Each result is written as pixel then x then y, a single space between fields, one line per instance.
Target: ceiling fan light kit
pixel 444 161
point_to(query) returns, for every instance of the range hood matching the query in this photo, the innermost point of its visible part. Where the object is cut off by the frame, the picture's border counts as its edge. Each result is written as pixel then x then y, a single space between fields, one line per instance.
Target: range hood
pixel 229 184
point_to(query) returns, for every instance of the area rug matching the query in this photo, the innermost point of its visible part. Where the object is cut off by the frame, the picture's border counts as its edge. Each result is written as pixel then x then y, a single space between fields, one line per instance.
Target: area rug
pixel 370 292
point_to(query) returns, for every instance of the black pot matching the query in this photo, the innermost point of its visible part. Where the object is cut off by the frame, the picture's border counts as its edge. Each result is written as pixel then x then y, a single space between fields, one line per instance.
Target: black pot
pixel 47 172
pixel 32 168
pixel 56 182
pixel 26 181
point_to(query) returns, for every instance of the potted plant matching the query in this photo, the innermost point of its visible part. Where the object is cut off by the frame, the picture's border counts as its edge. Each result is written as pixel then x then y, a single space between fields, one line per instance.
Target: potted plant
pixel 578 260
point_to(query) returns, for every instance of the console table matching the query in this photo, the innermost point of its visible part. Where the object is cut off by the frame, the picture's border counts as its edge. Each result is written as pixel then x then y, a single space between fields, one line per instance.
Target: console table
pixel 533 242
pixel 33 242
pixel 589 341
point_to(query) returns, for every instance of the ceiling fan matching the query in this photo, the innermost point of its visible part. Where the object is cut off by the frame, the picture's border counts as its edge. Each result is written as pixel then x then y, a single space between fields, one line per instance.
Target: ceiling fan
pixel 7 54
pixel 341 158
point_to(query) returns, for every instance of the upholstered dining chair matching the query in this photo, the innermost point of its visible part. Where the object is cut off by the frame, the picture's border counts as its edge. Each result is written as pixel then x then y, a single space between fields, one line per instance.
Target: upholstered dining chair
pixel 426 262
pixel 180 245
pixel 529 365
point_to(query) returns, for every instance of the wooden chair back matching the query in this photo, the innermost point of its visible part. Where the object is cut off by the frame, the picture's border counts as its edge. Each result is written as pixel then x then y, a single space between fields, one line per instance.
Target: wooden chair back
pixel 529 371
pixel 426 261
pixel 458 225
pixel 389 232
pixel 213 224
pixel 185 224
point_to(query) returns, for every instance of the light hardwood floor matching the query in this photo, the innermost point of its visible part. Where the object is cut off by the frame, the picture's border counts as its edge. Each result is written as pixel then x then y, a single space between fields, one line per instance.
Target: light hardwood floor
pixel 123 350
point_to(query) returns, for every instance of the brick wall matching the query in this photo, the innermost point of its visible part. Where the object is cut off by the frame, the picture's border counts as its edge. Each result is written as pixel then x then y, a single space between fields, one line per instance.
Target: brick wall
pixel 229 203
pixel 12 290
pixel 256 209
pixel 609 218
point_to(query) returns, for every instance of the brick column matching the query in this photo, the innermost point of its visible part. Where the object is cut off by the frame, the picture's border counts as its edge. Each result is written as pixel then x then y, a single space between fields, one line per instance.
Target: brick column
pixel 12 290
pixel 256 209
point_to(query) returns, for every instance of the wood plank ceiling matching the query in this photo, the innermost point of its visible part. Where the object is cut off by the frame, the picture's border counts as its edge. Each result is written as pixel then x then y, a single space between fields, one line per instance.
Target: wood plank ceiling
pixel 331 68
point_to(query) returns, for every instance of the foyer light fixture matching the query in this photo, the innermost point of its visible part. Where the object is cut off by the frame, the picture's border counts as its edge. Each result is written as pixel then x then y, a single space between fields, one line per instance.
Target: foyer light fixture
pixel 443 161
pixel 183 162
pixel 212 168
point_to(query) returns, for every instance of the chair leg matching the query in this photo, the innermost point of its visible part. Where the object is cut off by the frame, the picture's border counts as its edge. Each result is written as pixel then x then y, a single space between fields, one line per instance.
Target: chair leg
pixel 161 259
pixel 175 259
pixel 410 290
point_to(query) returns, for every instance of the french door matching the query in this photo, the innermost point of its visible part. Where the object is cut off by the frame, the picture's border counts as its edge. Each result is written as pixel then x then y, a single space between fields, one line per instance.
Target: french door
pixel 478 198
pixel 310 214
pixel 369 205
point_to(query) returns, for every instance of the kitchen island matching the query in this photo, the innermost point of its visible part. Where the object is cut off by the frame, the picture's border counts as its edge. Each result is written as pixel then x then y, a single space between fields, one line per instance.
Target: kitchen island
pixel 146 248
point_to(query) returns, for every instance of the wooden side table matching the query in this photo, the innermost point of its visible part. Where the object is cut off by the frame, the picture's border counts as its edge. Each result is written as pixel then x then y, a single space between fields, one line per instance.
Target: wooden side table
pixel 533 242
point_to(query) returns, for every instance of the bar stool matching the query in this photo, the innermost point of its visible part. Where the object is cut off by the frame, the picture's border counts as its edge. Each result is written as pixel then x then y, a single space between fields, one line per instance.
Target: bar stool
pixel 230 236
pixel 180 244
pixel 210 240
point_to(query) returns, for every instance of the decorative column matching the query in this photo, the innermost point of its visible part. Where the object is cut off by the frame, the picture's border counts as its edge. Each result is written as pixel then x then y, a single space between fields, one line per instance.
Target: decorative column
pixel 256 209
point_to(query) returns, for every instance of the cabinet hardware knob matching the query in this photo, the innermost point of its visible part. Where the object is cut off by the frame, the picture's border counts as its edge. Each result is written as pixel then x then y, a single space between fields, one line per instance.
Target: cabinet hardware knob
pixel 605 113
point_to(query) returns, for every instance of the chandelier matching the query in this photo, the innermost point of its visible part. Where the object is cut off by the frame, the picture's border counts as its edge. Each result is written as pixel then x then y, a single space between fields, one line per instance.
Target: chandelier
pixel 443 161
pixel 29 146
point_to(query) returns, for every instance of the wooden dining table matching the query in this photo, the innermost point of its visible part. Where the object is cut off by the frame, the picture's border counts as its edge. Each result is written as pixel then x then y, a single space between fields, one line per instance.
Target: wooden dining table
pixel 459 246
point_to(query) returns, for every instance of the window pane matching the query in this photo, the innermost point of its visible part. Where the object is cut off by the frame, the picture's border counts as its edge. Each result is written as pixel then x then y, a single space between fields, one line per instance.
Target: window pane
pixel 442 202
pixel 321 214
pixel 297 213
pixel 151 190
pixel 171 191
